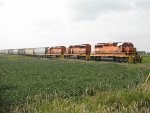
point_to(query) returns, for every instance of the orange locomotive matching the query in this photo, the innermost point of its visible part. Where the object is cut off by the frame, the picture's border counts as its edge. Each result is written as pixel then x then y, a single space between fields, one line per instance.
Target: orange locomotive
pixel 56 51
pixel 81 51
pixel 119 51
pixel 114 47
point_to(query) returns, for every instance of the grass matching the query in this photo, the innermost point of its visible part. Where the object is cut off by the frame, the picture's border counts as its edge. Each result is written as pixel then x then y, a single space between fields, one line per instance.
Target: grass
pixel 146 60
pixel 135 100
pixel 34 84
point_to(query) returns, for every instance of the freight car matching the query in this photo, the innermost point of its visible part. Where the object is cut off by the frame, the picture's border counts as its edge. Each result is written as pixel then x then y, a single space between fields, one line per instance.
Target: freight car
pixel 119 51
pixel 10 51
pixel 21 52
pixel 1 51
pixel 15 51
pixel 6 51
pixel 41 51
pixel 29 51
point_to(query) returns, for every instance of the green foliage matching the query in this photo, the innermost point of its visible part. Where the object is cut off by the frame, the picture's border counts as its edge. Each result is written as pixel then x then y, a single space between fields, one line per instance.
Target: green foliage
pixel 146 60
pixel 23 77
pixel 135 100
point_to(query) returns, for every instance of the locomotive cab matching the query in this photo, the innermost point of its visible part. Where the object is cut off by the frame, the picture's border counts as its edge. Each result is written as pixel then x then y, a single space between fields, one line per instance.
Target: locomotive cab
pixel 128 47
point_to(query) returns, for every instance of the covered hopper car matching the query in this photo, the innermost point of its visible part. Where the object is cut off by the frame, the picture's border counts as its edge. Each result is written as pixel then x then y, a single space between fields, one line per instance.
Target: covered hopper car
pixel 15 51
pixel 29 51
pixel 1 51
pixel 21 51
pixel 6 51
pixel 10 51
pixel 41 51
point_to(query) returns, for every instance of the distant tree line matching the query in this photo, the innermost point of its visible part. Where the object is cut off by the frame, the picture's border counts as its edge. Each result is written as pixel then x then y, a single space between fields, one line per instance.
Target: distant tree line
pixel 148 53
pixel 143 53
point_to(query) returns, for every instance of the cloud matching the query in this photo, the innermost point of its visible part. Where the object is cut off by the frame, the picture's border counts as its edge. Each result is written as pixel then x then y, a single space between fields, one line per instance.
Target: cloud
pixel 143 4
pixel 35 23
pixel 1 4
pixel 89 9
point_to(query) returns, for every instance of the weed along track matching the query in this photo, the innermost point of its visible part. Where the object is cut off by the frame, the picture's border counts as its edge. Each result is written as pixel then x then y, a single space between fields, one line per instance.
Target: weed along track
pixel 30 84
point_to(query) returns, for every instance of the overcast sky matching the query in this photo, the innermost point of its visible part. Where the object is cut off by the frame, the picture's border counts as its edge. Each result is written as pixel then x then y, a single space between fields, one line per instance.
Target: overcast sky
pixel 38 23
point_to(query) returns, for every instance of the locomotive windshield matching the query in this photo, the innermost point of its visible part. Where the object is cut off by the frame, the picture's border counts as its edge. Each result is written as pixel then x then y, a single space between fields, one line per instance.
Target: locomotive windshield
pixel 124 45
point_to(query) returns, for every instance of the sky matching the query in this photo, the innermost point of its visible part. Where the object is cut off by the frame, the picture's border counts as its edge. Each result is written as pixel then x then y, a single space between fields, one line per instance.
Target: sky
pixel 46 23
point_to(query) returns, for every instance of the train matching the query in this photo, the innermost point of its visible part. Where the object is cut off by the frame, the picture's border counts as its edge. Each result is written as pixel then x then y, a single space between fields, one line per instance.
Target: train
pixel 117 51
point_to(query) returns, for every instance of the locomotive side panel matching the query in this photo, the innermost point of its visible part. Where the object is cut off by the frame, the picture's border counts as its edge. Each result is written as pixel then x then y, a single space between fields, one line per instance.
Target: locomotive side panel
pixel 112 48
pixel 79 49
pixel 103 48
pixel 57 50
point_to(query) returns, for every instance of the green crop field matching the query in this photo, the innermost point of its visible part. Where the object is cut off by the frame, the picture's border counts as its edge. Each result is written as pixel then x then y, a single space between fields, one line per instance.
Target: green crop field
pixel 40 85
